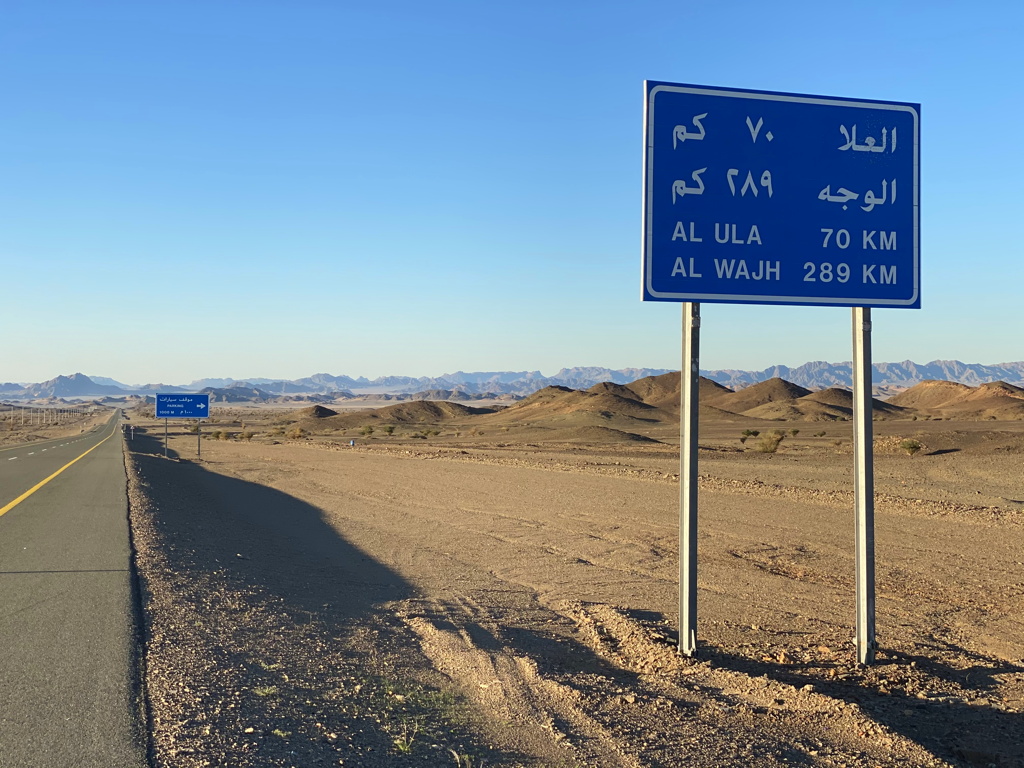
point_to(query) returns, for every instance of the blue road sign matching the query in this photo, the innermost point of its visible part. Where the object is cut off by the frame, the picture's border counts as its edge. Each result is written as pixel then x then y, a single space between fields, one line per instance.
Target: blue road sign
pixel 178 406
pixel 780 198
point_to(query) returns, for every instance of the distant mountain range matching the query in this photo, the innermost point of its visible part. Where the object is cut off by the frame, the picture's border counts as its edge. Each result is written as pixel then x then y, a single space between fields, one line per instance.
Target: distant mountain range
pixel 821 375
pixel 463 385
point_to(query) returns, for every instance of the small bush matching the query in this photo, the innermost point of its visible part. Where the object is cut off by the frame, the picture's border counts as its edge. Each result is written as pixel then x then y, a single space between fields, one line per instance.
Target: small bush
pixel 193 429
pixel 750 433
pixel 794 432
pixel 820 434
pixel 296 433
pixel 389 429
pixel 910 446
pixel 367 430
pixel 225 435
pixel 769 443
pixel 216 434
pixel 246 435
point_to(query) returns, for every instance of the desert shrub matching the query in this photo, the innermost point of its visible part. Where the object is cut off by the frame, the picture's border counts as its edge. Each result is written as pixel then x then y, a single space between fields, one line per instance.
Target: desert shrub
pixel 296 433
pixel 225 435
pixel 750 433
pixel 794 432
pixel 367 430
pixel 743 439
pixel 193 428
pixel 820 434
pixel 389 429
pixel 769 443
pixel 910 446
pixel 215 435
pixel 246 435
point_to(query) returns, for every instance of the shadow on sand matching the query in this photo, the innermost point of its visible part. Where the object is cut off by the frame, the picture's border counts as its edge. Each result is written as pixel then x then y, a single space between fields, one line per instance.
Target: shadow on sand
pixel 287 630
pixel 948 727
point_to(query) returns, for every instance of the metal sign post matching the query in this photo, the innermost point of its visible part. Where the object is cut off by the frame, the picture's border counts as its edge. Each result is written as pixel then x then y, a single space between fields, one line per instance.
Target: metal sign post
pixel 758 197
pixel 689 389
pixel 864 488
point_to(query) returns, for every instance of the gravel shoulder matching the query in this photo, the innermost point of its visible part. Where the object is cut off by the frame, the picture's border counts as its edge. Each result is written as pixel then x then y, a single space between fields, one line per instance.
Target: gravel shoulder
pixel 311 604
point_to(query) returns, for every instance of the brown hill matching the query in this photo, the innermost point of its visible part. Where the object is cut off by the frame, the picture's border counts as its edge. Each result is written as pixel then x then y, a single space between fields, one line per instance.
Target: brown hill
pixel 663 391
pixel 994 401
pixel 562 401
pixel 930 394
pixel 786 410
pixel 770 391
pixel 995 389
pixel 610 388
pixel 842 399
pixel 711 413
pixel 317 412
pixel 419 411
pixel 412 412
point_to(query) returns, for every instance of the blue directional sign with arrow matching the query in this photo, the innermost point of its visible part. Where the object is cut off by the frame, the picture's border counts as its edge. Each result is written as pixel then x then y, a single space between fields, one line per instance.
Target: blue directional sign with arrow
pixel 780 198
pixel 178 406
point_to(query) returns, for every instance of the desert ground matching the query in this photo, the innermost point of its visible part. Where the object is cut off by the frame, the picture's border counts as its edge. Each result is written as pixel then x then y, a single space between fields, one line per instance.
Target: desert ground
pixel 33 426
pixel 499 586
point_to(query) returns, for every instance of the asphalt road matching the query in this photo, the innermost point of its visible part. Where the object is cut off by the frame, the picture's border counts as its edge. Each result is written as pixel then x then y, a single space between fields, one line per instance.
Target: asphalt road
pixel 69 677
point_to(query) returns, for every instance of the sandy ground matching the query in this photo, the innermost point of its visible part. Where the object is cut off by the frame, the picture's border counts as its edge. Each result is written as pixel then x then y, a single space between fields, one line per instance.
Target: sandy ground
pixel 13 432
pixel 489 604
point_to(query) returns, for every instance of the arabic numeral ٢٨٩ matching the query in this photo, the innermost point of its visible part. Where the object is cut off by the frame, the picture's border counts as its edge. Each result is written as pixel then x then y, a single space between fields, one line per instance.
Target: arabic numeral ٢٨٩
pixel 766 182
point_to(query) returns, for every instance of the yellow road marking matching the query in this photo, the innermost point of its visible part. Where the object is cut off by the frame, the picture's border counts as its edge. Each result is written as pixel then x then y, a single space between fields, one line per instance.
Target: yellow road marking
pixel 37 486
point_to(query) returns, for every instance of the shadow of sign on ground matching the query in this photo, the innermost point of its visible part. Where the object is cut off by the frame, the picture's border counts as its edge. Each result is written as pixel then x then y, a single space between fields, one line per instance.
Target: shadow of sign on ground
pixel 971 733
pixel 266 639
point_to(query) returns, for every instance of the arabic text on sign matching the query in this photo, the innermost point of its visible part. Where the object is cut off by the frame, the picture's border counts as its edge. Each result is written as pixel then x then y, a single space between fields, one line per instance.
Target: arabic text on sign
pixel 870 143
pixel 681 133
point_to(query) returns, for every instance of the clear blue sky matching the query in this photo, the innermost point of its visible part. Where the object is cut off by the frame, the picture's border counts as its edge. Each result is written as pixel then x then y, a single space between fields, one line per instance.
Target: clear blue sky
pixel 213 188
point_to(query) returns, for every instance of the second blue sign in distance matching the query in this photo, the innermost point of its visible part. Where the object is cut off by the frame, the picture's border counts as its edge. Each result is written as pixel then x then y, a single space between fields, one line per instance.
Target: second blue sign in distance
pixel 780 198
pixel 179 406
